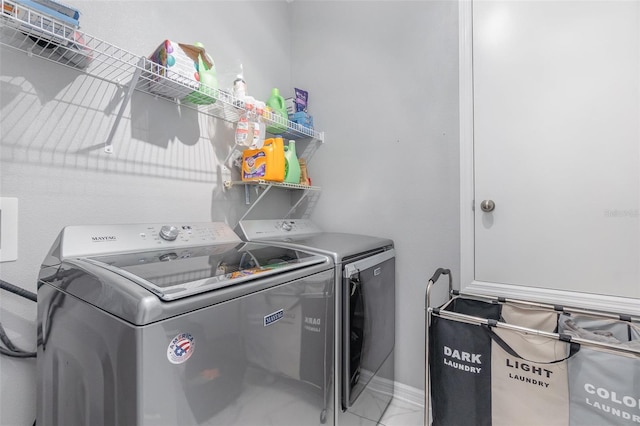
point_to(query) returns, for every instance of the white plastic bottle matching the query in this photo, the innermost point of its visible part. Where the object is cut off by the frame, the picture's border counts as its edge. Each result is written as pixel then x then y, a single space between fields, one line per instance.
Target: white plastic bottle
pixel 259 126
pixel 250 105
pixel 244 127
pixel 239 90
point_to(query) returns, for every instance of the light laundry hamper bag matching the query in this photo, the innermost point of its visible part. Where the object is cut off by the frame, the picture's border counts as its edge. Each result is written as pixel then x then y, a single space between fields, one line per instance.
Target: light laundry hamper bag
pixel 530 317
pixel 529 384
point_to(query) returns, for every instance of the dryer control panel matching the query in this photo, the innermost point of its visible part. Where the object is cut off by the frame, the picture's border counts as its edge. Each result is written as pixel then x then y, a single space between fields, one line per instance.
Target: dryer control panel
pixel 255 230
pixel 92 240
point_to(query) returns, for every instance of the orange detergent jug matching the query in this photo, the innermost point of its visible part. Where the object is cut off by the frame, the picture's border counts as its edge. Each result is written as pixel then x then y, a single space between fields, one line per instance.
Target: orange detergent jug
pixel 265 163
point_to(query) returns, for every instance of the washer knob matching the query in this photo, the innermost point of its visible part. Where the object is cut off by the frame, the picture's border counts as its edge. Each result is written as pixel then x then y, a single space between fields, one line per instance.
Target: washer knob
pixel 169 233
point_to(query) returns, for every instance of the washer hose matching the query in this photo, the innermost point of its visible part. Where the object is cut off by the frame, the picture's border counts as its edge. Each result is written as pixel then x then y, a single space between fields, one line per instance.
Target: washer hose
pixel 18 290
pixel 11 349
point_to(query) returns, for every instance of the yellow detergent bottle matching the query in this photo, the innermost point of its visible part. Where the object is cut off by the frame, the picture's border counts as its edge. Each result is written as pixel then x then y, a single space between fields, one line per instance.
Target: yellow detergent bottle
pixel 265 163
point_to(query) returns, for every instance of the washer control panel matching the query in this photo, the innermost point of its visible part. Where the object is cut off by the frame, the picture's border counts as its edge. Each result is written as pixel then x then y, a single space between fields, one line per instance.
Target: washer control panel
pixel 91 240
pixel 252 230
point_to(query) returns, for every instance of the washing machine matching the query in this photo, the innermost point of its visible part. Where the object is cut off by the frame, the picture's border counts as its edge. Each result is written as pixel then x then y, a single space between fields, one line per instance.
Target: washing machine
pixel 365 311
pixel 183 324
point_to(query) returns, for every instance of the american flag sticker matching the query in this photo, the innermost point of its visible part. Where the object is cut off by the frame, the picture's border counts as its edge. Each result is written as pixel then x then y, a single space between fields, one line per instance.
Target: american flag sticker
pixel 181 348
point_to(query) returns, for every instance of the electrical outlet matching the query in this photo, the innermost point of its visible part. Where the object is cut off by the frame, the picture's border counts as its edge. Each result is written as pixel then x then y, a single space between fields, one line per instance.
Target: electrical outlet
pixel 8 229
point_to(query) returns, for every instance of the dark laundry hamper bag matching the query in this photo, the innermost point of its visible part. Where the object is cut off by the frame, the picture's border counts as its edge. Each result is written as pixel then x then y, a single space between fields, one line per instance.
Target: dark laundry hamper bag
pixel 604 388
pixel 476 308
pixel 460 373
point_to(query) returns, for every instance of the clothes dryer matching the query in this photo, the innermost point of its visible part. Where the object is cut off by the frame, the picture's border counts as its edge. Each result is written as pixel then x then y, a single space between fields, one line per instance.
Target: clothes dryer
pixel 365 308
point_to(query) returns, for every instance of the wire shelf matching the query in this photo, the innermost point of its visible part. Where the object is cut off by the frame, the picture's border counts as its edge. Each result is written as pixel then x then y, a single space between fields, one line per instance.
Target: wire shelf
pixel 40 35
pixel 262 182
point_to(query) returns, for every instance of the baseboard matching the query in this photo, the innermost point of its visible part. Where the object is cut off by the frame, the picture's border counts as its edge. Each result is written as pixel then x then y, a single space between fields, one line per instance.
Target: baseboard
pixel 409 394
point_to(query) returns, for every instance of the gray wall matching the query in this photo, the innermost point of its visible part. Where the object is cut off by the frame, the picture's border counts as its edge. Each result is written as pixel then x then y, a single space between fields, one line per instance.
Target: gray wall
pixel 382 77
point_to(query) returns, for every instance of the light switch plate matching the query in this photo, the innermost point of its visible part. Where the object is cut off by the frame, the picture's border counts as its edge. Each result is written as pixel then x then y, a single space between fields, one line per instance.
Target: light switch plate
pixel 8 229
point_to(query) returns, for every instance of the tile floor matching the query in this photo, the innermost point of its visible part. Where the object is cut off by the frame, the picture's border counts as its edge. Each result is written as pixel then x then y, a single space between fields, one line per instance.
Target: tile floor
pixel 402 413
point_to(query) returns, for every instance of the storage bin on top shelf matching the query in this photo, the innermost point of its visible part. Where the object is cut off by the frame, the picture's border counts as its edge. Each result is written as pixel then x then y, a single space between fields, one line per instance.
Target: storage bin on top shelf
pixel 182 71
pixel 496 362
pixel 53 27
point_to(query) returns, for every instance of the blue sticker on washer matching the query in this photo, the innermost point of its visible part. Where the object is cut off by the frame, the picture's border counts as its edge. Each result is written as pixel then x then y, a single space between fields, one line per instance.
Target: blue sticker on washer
pixel 271 318
pixel 181 348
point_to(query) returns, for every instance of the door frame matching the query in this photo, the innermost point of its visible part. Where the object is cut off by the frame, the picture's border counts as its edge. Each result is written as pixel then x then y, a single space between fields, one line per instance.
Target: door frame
pixel 468 283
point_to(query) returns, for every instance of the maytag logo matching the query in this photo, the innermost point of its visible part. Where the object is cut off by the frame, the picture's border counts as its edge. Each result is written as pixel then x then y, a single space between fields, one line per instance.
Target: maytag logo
pixel 103 239
pixel 274 317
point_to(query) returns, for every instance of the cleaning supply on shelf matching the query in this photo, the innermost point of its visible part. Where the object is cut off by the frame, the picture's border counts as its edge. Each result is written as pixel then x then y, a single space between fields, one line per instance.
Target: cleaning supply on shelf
pixel 239 87
pixel 244 128
pixel 239 90
pixel 182 71
pixel 205 74
pixel 302 118
pixel 301 100
pixel 250 106
pixel 304 174
pixel 258 126
pixel 278 111
pixel 266 163
pixel 278 142
pixel 292 166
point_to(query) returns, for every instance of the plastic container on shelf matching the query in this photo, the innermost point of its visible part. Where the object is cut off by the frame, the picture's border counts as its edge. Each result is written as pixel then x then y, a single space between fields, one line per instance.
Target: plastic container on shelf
pixel 292 166
pixel 244 126
pixel 239 87
pixel 259 126
pixel 206 75
pixel 266 163
pixel 183 71
pixel 239 90
pixel 278 111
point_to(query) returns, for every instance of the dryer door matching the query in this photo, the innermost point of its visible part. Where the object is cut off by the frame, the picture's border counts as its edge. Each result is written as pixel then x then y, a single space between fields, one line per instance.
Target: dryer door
pixel 369 324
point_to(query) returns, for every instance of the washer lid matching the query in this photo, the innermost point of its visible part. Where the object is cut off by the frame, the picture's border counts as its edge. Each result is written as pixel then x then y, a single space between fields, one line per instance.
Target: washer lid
pixel 175 273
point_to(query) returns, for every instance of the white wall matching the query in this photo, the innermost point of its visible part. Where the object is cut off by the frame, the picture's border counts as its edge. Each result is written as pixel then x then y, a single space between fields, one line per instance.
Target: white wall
pixel 54 123
pixel 384 76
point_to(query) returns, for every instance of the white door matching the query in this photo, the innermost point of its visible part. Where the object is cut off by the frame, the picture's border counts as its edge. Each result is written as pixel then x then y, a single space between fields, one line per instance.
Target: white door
pixel 556 134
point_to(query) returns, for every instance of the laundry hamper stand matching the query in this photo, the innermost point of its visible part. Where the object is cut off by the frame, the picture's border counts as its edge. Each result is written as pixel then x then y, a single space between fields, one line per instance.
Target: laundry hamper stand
pixel 492 361
pixel 427 323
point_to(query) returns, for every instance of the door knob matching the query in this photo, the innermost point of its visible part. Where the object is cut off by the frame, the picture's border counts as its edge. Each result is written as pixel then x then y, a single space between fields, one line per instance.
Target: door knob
pixel 487 206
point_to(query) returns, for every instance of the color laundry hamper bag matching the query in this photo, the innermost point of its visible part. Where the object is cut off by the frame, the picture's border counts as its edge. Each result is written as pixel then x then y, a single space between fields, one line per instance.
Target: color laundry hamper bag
pixel 634 332
pixel 529 379
pixel 604 388
pixel 460 373
pixel 598 329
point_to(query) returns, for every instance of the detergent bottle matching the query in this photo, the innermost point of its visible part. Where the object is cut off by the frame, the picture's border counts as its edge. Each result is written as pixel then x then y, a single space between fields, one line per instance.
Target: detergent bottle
pixel 266 163
pixel 292 166
pixel 278 112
